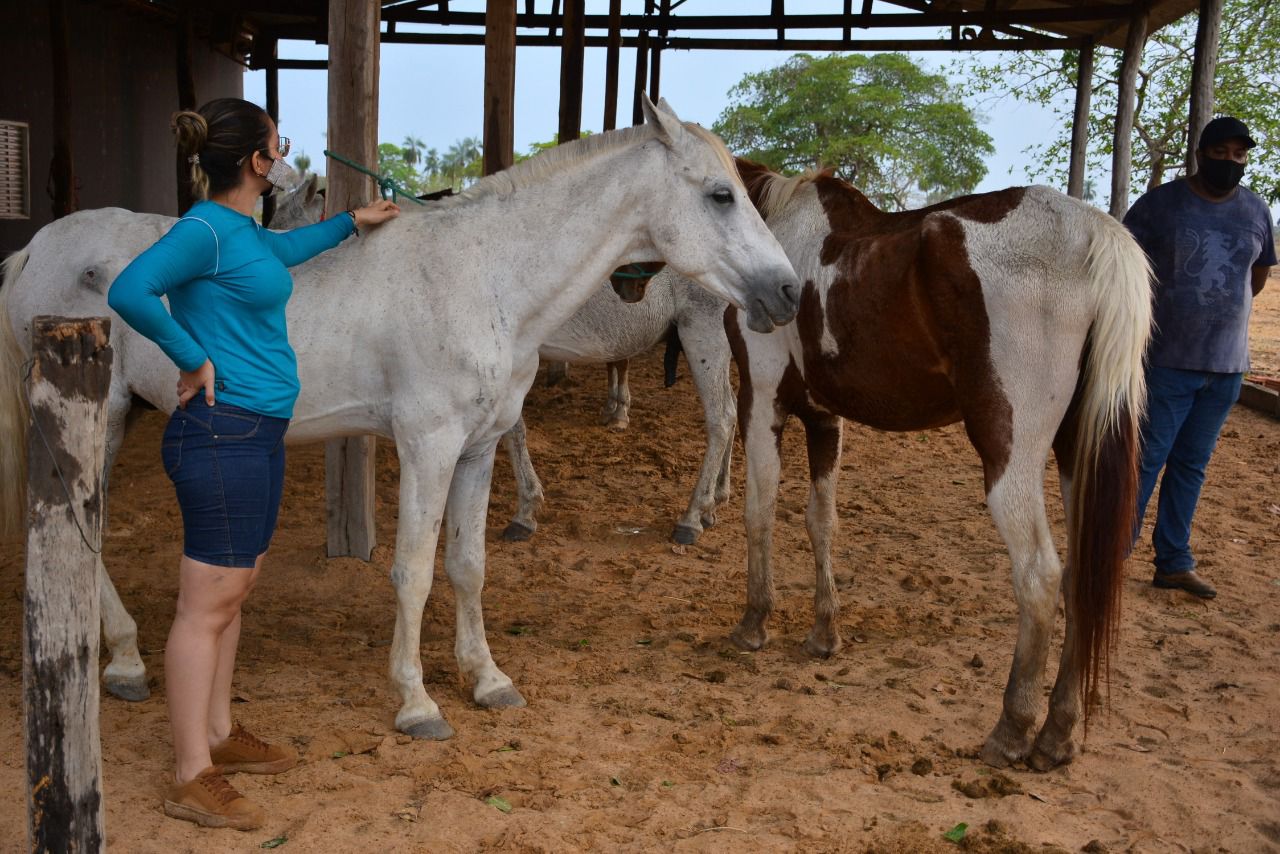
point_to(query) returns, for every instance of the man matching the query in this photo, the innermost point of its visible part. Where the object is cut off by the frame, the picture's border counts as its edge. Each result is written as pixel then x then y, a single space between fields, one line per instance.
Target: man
pixel 1211 244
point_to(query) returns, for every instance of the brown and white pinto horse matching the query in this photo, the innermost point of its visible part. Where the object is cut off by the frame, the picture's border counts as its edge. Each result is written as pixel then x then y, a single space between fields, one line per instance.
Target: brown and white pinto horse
pixel 1023 313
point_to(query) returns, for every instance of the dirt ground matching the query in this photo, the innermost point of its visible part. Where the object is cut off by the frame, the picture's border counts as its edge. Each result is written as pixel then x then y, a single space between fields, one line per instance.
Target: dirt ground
pixel 646 729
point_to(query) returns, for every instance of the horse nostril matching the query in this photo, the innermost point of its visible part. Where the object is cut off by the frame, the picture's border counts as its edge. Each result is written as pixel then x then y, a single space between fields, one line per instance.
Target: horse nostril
pixel 789 291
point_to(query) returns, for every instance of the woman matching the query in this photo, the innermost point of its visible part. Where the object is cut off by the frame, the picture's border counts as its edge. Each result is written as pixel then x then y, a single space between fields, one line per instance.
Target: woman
pixel 226 282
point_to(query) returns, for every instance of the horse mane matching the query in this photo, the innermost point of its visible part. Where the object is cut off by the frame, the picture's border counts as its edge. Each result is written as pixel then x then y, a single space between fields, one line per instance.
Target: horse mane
pixel 562 157
pixel 771 192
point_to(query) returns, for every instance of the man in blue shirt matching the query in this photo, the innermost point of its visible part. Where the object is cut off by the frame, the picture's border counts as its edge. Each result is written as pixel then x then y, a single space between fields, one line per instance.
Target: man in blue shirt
pixel 1211 244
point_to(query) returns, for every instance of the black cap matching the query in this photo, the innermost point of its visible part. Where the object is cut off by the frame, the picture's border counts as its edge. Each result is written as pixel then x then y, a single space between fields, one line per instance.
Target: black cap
pixel 1224 128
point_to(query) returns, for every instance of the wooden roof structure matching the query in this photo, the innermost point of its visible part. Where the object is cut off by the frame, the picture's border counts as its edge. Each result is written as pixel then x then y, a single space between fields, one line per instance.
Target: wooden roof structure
pixel 239 27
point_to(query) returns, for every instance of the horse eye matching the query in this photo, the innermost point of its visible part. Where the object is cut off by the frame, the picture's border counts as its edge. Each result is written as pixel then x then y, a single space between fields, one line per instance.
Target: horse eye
pixel 722 196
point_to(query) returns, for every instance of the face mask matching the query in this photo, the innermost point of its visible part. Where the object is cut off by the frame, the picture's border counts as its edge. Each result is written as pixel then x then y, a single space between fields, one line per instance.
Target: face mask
pixel 281 174
pixel 1221 175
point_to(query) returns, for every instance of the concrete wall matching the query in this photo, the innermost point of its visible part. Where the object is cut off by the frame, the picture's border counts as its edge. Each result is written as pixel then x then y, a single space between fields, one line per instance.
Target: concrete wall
pixel 123 88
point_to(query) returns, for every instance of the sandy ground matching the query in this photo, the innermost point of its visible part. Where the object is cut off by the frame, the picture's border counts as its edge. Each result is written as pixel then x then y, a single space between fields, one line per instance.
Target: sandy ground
pixel 646 729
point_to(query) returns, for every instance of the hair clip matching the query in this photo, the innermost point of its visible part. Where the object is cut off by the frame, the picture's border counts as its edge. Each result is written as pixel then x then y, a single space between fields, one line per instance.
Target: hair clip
pixel 194 159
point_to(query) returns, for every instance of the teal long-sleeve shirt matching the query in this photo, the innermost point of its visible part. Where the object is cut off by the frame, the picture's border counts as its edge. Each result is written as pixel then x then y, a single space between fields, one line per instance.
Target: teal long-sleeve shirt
pixel 227 286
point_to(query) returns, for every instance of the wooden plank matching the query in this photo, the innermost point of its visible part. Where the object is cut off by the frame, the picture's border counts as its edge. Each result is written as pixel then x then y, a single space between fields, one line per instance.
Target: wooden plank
pixel 186 101
pixel 66 455
pixel 611 60
pixel 62 174
pixel 655 53
pixel 680 43
pixel 571 59
pixel 1204 68
pixel 499 85
pixel 269 47
pixel 1080 122
pixel 1122 145
pixel 353 133
pixel 642 68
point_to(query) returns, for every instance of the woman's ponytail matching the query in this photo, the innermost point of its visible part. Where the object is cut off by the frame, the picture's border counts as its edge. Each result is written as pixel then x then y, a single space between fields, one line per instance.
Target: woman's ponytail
pixel 192 131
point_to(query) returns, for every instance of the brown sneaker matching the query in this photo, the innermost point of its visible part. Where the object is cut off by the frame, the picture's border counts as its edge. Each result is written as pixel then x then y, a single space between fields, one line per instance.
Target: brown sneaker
pixel 244 751
pixel 210 801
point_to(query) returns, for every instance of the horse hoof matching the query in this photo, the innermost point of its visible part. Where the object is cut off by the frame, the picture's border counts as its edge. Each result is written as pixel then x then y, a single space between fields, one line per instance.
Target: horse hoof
pixel 503 698
pixel 429 729
pixel 618 425
pixel 685 535
pixel 130 690
pixel 1045 759
pixel 822 648
pixel 517 533
pixel 748 640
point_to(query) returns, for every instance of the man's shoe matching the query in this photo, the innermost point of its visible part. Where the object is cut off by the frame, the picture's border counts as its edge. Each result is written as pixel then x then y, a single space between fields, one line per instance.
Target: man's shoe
pixel 1188 581
pixel 210 801
pixel 244 751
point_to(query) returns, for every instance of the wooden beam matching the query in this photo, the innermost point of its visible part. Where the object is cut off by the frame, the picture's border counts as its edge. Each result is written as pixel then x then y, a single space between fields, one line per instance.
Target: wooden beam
pixel 655 52
pixel 186 101
pixel 353 133
pixel 571 59
pixel 677 43
pixel 269 47
pixel 1080 121
pixel 778 11
pixel 1204 69
pixel 1122 146
pixel 62 173
pixel 499 85
pixel 66 454
pixel 611 60
pixel 642 67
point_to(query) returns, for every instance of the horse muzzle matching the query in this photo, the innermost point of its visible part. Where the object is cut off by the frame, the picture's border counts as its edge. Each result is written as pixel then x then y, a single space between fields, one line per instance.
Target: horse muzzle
pixel 773 303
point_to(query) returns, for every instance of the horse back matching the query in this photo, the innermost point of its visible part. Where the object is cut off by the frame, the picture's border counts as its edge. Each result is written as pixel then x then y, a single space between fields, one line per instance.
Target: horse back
pixel 895 333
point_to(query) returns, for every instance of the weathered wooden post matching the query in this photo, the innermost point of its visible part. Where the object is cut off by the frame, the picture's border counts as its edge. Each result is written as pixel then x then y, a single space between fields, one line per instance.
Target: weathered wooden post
pixel 353 133
pixel 1203 71
pixel 66 454
pixel 1122 147
pixel 1080 121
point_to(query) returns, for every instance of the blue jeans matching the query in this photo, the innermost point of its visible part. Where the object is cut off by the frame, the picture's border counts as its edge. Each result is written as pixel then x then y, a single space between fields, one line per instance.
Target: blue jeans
pixel 1185 413
pixel 227 466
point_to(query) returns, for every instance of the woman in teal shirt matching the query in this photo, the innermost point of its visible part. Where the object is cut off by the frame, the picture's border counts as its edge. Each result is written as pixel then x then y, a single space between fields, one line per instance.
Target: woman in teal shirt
pixel 226 281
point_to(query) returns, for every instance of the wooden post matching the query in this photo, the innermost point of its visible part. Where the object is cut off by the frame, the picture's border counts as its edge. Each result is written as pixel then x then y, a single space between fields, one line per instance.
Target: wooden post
pixel 642 67
pixel 66 453
pixel 611 65
pixel 1204 69
pixel 1122 147
pixel 571 59
pixel 186 101
pixel 499 85
pixel 655 61
pixel 1080 121
pixel 353 133
pixel 62 173
pixel 269 47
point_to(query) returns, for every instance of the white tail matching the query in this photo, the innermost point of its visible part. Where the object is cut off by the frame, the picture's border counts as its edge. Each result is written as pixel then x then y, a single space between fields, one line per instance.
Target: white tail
pixel 13 411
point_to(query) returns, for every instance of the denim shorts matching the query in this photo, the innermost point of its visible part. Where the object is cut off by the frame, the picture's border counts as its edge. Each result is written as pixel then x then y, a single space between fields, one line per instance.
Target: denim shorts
pixel 227 466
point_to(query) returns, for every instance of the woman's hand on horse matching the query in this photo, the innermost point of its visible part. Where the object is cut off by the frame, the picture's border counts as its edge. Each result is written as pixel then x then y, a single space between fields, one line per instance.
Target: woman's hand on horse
pixel 376 213
pixel 190 383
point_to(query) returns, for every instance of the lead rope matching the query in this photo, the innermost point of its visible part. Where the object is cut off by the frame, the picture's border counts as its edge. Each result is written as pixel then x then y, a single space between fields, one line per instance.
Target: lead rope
pixel 385 184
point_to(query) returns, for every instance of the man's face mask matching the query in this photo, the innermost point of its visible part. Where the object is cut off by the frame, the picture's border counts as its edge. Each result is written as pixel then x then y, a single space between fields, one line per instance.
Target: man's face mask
pixel 1221 175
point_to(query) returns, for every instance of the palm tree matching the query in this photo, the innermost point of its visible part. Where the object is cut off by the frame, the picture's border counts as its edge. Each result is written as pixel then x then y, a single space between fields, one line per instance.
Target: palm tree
pixel 431 163
pixel 302 163
pixel 412 148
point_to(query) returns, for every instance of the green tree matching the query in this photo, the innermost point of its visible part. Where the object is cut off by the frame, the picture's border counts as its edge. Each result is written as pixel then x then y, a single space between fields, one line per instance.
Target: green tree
pixel 900 133
pixel 1247 81
pixel 411 149
pixel 302 162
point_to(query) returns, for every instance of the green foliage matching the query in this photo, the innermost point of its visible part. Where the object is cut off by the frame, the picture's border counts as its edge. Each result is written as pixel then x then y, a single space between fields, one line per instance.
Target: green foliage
pixel 1247 81
pixel 302 162
pixel 391 163
pixel 899 133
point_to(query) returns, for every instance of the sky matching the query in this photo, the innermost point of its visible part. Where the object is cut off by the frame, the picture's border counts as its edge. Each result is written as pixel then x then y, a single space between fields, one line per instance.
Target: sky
pixel 435 92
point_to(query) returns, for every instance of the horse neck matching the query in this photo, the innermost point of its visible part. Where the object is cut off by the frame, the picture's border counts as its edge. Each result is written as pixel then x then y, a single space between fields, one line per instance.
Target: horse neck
pixel 599 222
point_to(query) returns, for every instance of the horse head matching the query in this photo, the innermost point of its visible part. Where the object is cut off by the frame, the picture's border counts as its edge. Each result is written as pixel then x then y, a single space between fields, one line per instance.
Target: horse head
pixel 301 205
pixel 706 228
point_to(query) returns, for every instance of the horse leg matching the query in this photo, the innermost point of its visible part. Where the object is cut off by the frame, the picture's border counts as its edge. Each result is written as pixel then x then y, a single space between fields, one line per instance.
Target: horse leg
pixel 465 517
pixel 125 676
pixel 709 364
pixel 1054 745
pixel 761 437
pixel 617 410
pixel 529 495
pixel 1017 505
pixel 823 436
pixel 425 472
pixel 557 372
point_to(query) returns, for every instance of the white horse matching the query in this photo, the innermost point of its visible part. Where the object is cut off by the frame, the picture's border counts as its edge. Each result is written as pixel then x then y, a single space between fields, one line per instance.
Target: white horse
pixel 426 332
pixel 1023 313
pixel 609 329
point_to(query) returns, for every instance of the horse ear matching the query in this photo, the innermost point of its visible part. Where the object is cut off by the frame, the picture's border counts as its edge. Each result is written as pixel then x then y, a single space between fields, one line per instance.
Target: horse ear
pixel 665 125
pixel 312 180
pixel 665 106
